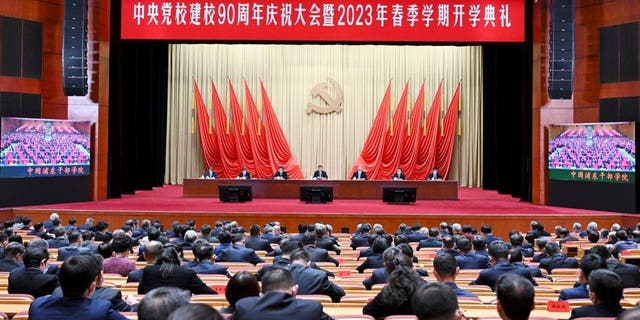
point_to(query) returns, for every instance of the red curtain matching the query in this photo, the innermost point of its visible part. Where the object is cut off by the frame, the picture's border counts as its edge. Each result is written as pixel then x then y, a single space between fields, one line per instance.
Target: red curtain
pixel 208 143
pixel 445 142
pixel 410 149
pixel 231 166
pixel 279 150
pixel 258 139
pixel 394 140
pixel 429 138
pixel 243 142
pixel 371 153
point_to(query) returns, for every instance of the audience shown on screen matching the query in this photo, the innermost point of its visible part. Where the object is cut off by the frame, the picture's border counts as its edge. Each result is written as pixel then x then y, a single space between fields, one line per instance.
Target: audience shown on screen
pixel 29 145
pixel 320 174
pixel 281 174
pixel 607 149
pixel 210 174
pixel 244 174
pixel 398 175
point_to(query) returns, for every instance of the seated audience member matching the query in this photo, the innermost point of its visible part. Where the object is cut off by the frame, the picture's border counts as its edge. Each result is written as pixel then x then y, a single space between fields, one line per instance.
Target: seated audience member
pixel 499 253
pixel 435 301
pixel 272 234
pixel 49 223
pixel 316 254
pixel 281 174
pixel 238 253
pixel 187 241
pixel 158 303
pixel 13 254
pixel 395 297
pixel 446 270
pixel 593 237
pixel 101 233
pixel 74 248
pixel 255 242
pixel 87 240
pixel 541 242
pixel 556 259
pixel 605 291
pixel 628 273
pixel 244 174
pixel 78 277
pixel 60 239
pixel 278 301
pixel 381 275
pixel 39 231
pixel 361 237
pixel 566 236
pixel 206 265
pixel 480 246
pixel 31 279
pixel 87 225
pixel 325 241
pixel 468 259
pixel 588 263
pixel 312 281
pixel 243 284
pixel 320 174
pixel 432 241
pixel 225 242
pixel 41 243
pixel 515 258
pixel 537 231
pixel 398 175
pixel 630 314
pixel 408 251
pixel 624 243
pixel 515 297
pixel 375 260
pixel 209 174
pixel 101 293
pixel 167 272
pixel 487 232
pixel 195 311
pixel 369 250
pixel 448 245
pixel 434 175
pixel 359 174
pixel 120 263
pixel 153 250
pixel 517 242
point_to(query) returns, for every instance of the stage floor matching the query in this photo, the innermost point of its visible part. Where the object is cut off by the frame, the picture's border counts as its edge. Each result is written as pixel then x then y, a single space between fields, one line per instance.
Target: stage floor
pixel 169 199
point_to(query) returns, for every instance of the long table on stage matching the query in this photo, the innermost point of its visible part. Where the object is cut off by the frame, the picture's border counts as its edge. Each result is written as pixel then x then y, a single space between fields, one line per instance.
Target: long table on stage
pixel 342 189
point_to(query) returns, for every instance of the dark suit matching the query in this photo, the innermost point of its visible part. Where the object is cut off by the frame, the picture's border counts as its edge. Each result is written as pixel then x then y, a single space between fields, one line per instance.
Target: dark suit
pixel 278 263
pixel 429 243
pixel 535 271
pixel 398 176
pixel 558 261
pixel 102 236
pixel 433 176
pixel 272 238
pixel 459 291
pixel 237 253
pixel 56 243
pixel 596 310
pixel 417 236
pixel 320 175
pixel 328 244
pixel 629 274
pixel 256 243
pixel 277 306
pixel 32 281
pixel 472 261
pixel 101 293
pixel 359 175
pixel 245 175
pixel 53 308
pixel 538 257
pixel 206 267
pixel 182 278
pixel 365 253
pixel 7 265
pixel 579 292
pixel 135 276
pixel 71 250
pixel 359 240
pixel 42 234
pixel 320 255
pixel 281 174
pixel 378 276
pixel 373 262
pixel 489 276
pixel 210 174
pixel 491 238
pixel 312 281
pixel 379 309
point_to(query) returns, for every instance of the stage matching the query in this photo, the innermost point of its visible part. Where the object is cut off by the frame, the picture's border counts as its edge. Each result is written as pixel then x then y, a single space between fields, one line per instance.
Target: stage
pixel 474 206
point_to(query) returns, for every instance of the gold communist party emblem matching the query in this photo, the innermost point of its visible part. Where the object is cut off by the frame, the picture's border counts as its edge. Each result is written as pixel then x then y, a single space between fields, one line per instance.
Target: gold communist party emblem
pixel 330 92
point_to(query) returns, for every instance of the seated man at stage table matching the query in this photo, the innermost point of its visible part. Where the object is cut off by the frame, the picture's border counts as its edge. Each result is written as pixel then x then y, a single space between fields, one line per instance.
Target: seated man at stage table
pixel 244 174
pixel 320 174
pixel 359 174
pixel 433 176
pixel 281 174
pixel 398 175
pixel 210 174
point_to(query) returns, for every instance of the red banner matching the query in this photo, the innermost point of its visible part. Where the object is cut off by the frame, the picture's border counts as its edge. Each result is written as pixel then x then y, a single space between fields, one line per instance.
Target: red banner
pixel 475 21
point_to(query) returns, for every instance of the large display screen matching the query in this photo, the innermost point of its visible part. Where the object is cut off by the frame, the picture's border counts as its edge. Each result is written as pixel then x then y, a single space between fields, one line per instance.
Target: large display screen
pixel 44 148
pixel 593 152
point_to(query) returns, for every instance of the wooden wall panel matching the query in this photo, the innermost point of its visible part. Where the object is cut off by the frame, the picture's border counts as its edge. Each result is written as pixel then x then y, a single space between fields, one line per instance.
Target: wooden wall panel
pixel 540 96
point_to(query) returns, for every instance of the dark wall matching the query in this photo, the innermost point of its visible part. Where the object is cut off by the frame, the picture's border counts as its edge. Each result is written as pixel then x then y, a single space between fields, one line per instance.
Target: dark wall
pixel 32 191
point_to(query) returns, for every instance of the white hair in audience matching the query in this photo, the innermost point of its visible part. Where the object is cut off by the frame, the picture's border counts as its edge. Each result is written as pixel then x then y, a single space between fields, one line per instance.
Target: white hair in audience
pixel 190 235
pixel 54 216
pixel 593 226
pixel 456 228
pixel 577 226
pixel 615 227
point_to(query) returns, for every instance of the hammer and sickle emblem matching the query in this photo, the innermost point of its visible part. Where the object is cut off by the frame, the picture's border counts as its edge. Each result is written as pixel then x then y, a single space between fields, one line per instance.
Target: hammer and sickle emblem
pixel 322 90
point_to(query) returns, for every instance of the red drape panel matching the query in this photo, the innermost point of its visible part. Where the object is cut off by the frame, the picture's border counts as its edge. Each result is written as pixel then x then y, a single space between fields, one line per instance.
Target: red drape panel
pixel 208 142
pixel 394 140
pixel 445 142
pixel 243 142
pixel 258 139
pixel 226 142
pixel 371 153
pixel 280 152
pixel 429 138
pixel 410 149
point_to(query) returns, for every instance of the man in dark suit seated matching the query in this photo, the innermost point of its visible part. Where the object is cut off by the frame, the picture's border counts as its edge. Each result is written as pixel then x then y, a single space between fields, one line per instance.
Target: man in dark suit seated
pixel 317 254
pixel 628 273
pixel 398 175
pixel 588 264
pixel 320 174
pixel 152 250
pixel 381 275
pixel 60 240
pixel 74 248
pixel 541 242
pixel 312 281
pixel 210 174
pixel 204 255
pixel 556 258
pixel 272 234
pixel 278 301
pixel 255 242
pixel 244 174
pixel 12 257
pixel 468 259
pixel 359 174
pixel 238 253
pixel 487 232
pixel 448 245
pixel 480 245
pixel 445 270
pixel 281 174
pixel 39 231
pixel 432 241
pixel 78 277
pixel 159 303
pixel 498 253
pixel 375 260
pixel 517 242
pixel 566 236
pixel 101 234
pixel 605 291
pixel 434 175
pixel 324 241
pixel 515 258
pixel 31 278
pixel 435 301
pixel 361 237
pixel 537 231
pixel 515 297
